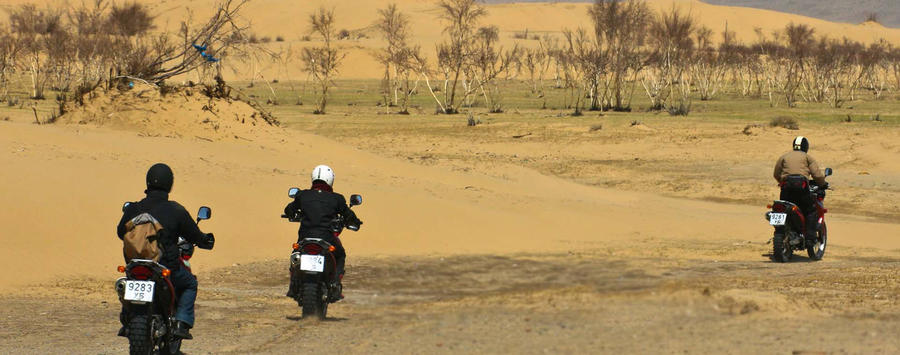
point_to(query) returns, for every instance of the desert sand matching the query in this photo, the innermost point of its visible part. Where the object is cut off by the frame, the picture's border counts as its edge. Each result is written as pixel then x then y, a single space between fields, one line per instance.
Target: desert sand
pixel 565 240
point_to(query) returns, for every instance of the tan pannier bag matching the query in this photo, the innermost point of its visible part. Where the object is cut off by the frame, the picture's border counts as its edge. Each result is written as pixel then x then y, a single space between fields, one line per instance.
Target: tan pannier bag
pixel 141 234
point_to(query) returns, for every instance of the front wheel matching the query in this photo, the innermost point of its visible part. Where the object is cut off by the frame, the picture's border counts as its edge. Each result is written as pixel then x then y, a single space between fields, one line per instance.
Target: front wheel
pixel 171 347
pixel 781 248
pixel 139 340
pixel 313 301
pixel 817 251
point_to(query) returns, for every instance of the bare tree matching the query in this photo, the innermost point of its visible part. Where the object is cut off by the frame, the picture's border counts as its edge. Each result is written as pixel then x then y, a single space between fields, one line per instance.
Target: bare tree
pixel 36 30
pixel 671 40
pixel 398 57
pixel 322 62
pixel 455 55
pixel 489 61
pixel 799 44
pixel 9 51
pixel 622 27
pixel 709 65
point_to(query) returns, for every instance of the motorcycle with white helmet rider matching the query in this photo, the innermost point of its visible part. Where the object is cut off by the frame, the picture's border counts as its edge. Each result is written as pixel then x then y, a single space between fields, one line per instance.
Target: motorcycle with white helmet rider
pixel 318 259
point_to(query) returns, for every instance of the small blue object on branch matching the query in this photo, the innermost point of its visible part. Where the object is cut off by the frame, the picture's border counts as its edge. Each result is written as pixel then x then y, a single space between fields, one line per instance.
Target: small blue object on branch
pixel 202 50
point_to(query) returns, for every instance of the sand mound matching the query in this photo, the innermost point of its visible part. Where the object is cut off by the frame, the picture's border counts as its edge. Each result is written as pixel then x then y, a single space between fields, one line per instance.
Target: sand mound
pixel 189 112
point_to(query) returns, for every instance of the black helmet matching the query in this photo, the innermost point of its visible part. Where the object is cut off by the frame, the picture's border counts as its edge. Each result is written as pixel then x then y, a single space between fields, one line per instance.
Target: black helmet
pixel 801 143
pixel 160 177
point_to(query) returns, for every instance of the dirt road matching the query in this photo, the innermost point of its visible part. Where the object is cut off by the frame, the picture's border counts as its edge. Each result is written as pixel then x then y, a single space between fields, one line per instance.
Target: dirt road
pixel 720 297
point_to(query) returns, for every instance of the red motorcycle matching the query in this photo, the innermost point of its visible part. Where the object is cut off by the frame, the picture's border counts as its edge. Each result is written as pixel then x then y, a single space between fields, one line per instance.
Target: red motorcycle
pixel 790 226
pixel 150 300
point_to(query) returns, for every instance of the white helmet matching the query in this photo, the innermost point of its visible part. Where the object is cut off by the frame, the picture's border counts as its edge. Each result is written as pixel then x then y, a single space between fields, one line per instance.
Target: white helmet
pixel 323 173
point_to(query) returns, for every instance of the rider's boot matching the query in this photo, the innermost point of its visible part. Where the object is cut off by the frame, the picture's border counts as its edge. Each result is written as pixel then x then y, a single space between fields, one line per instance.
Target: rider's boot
pixel 812 226
pixel 338 286
pixel 292 288
pixel 182 330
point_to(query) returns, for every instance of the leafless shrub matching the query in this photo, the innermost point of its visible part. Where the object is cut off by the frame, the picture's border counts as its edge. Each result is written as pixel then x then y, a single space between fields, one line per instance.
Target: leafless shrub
pixel 343 34
pixel 130 20
pixel 279 38
pixel 399 58
pixel 471 121
pixel 784 122
pixel 596 127
pixel 322 62
pixel 266 39
pixel 453 56
pixel 621 27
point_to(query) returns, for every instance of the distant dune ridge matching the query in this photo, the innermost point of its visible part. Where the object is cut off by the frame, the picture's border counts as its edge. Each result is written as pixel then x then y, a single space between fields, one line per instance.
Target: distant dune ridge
pixel 832 10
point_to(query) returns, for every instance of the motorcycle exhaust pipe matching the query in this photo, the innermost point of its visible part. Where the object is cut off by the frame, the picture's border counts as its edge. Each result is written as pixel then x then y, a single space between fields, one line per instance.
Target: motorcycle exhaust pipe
pixel 295 259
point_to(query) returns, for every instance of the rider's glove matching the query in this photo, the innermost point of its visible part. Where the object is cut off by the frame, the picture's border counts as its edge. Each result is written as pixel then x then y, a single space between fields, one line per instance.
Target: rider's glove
pixel 208 242
pixel 355 225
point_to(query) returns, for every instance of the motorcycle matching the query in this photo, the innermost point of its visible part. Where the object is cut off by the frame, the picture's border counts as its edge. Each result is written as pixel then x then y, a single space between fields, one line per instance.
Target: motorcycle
pixel 313 267
pixel 150 300
pixel 789 222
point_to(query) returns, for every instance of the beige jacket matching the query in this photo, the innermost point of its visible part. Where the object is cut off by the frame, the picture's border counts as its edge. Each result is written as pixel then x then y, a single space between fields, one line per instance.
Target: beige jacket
pixel 797 162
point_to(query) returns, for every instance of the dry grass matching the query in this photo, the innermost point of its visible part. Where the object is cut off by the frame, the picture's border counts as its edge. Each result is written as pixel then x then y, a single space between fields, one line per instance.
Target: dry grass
pixel 785 122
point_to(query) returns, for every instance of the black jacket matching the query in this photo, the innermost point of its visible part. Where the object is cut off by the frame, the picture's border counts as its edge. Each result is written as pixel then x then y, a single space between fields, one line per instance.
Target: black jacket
pixel 319 208
pixel 176 221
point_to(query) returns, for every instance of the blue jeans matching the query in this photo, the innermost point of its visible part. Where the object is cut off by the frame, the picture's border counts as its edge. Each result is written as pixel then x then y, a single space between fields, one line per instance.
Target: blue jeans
pixel 186 290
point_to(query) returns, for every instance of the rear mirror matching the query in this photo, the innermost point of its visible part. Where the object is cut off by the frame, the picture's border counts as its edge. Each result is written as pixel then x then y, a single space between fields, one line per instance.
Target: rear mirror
pixel 204 213
pixel 293 192
pixel 125 206
pixel 355 200
pixel 828 171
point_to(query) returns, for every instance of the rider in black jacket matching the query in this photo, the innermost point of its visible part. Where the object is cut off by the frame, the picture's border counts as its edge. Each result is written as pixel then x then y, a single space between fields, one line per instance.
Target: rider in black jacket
pixel 318 208
pixel 176 221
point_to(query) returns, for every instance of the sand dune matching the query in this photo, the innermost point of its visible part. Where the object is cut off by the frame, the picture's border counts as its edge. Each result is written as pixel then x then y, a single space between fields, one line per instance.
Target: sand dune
pixel 68 182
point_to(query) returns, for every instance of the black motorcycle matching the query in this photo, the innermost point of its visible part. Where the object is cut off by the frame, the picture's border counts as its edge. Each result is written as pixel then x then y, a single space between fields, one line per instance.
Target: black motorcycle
pixel 790 226
pixel 150 301
pixel 313 267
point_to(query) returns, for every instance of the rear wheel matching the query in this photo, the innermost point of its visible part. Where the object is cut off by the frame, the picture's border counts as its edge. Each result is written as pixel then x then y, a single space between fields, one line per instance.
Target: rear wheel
pixel 781 248
pixel 817 251
pixel 313 301
pixel 139 339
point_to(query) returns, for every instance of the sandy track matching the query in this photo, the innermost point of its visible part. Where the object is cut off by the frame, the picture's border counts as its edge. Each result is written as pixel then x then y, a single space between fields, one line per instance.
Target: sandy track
pixel 618 298
pixel 69 182
pixel 449 260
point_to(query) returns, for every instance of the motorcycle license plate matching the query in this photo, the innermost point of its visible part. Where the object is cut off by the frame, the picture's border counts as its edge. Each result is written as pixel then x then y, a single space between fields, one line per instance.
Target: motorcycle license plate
pixel 777 219
pixel 312 263
pixel 140 291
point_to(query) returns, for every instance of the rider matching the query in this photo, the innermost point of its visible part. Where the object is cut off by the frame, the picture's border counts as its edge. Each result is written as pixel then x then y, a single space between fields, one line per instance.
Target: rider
pixel 319 207
pixel 793 171
pixel 177 222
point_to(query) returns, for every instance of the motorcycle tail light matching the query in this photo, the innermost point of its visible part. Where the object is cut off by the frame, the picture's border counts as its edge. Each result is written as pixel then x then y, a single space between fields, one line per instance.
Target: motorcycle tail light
pixel 141 272
pixel 778 208
pixel 312 249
